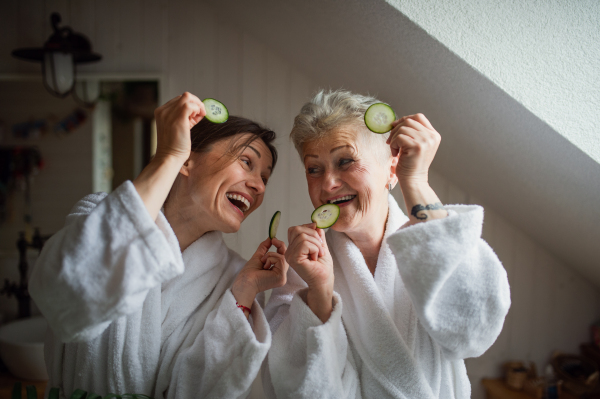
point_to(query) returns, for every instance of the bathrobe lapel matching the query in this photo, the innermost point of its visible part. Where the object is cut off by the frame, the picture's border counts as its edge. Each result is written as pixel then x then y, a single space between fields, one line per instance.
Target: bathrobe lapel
pixel 370 308
pixel 210 268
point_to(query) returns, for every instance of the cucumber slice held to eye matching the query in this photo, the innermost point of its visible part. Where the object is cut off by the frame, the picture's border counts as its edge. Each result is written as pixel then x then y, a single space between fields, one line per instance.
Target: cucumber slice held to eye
pixel 274 224
pixel 379 118
pixel 326 215
pixel 216 111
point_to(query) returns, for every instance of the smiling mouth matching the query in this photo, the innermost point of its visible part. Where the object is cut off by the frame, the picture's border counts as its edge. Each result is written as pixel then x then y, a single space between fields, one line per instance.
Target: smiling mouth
pixel 239 202
pixel 341 200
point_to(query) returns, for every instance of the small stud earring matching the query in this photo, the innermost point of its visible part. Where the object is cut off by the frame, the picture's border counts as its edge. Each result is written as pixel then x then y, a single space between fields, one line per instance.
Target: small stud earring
pixel 390 187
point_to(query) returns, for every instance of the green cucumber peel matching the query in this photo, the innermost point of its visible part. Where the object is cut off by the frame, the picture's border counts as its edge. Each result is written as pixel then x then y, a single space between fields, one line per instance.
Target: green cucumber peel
pixel 379 118
pixel 274 225
pixel 325 216
pixel 216 111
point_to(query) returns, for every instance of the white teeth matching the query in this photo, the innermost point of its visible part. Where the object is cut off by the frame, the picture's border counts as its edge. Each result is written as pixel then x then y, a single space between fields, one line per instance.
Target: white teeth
pixel 344 198
pixel 240 198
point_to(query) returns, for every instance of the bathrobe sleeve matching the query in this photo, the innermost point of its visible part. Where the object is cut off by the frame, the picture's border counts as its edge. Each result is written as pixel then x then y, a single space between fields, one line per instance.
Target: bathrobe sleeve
pixel 457 285
pixel 308 358
pixel 101 265
pixel 225 356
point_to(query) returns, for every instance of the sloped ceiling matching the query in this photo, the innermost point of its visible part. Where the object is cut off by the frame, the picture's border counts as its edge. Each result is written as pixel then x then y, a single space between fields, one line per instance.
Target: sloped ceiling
pixel 492 145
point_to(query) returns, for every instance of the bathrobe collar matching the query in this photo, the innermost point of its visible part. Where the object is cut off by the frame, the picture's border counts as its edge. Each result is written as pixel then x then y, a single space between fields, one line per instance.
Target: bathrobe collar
pixel 368 309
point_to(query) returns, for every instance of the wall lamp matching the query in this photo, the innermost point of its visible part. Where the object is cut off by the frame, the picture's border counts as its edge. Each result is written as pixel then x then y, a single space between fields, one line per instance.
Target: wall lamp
pixel 59 56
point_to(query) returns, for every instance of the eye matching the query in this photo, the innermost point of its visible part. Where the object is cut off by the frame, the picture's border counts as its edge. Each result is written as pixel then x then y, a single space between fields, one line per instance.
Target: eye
pixel 312 171
pixel 265 181
pixel 345 161
pixel 245 160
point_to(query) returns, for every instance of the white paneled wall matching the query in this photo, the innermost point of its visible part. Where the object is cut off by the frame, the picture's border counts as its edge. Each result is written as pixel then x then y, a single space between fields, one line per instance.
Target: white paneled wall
pixel 200 52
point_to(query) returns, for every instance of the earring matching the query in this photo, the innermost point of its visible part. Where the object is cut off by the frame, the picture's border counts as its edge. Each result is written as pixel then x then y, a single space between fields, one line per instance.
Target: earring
pixel 390 187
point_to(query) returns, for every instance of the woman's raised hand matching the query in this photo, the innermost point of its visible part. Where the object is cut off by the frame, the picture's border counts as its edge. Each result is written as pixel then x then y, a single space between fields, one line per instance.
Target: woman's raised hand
pixel 309 256
pixel 174 144
pixel 174 120
pixel 264 270
pixel 417 142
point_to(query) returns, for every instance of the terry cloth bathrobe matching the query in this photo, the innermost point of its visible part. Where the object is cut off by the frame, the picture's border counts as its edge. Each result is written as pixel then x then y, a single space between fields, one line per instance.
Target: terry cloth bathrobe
pixel 439 295
pixel 129 313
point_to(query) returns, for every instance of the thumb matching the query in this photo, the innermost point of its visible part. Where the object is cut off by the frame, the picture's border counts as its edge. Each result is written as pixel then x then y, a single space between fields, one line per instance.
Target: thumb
pixel 262 249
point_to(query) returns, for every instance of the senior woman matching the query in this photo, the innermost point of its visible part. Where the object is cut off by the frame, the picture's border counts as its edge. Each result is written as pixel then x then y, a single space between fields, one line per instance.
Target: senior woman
pixel 149 301
pixel 382 305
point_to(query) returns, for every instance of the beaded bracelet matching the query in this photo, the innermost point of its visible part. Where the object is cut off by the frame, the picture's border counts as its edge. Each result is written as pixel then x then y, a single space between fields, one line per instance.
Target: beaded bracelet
pixel 244 308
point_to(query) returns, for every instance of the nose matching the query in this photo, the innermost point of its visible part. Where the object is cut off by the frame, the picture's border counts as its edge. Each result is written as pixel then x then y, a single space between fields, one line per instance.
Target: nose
pixel 256 184
pixel 331 181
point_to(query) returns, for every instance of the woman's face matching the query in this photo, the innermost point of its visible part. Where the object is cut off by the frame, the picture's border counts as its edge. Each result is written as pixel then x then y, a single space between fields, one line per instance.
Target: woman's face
pixel 341 169
pixel 222 192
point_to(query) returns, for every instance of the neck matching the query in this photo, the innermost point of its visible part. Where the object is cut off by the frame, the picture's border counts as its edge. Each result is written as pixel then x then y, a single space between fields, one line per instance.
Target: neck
pixel 369 236
pixel 184 223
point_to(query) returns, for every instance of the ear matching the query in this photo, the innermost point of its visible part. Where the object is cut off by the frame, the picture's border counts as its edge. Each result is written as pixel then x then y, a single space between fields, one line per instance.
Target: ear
pixel 186 167
pixel 393 178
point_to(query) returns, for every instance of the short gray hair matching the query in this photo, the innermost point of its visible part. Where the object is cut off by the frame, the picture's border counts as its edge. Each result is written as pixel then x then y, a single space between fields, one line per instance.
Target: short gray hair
pixel 331 109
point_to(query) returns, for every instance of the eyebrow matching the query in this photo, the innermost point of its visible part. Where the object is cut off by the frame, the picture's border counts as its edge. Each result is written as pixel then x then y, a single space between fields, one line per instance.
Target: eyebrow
pixel 255 150
pixel 258 153
pixel 332 150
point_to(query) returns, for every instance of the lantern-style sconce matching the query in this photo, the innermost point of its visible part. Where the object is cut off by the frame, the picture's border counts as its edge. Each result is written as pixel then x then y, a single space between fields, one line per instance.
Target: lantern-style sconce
pixel 59 56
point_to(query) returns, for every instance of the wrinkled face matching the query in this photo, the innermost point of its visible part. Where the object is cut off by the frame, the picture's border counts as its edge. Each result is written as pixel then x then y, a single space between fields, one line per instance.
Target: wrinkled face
pixel 341 169
pixel 223 191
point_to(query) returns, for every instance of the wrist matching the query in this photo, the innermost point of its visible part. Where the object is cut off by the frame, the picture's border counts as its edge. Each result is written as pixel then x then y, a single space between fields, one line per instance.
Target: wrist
pixel 413 183
pixel 243 295
pixel 168 160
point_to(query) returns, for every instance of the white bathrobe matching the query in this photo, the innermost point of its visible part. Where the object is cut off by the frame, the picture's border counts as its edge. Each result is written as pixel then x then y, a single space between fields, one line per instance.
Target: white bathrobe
pixel 439 295
pixel 129 313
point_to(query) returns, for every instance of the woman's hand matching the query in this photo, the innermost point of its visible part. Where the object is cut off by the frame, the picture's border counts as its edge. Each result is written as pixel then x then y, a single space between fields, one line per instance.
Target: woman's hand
pixel 264 270
pixel 416 141
pixel 173 123
pixel 174 120
pixel 309 256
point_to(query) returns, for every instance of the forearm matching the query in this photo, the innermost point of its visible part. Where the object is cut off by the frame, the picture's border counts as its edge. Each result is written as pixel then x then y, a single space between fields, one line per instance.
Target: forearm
pixel 155 182
pixel 422 203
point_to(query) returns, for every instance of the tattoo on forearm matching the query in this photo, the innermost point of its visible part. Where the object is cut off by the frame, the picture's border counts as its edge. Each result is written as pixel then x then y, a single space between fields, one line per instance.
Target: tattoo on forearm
pixel 430 207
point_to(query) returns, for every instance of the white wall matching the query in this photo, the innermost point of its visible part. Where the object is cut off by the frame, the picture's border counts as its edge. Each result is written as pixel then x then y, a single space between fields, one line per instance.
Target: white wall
pixel 546 55
pixel 199 52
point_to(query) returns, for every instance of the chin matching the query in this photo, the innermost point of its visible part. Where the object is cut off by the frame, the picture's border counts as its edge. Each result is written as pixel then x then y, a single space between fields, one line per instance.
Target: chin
pixel 230 226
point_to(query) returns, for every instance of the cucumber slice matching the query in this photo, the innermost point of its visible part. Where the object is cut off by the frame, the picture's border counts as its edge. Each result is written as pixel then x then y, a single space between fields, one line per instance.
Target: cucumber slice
pixel 326 215
pixel 379 118
pixel 274 224
pixel 216 111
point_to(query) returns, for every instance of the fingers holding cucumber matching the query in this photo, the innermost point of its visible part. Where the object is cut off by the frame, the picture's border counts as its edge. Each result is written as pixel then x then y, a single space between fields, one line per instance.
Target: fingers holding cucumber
pixel 174 120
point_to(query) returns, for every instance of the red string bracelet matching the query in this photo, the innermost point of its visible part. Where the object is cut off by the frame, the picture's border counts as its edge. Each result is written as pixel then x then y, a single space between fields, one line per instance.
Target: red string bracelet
pixel 244 308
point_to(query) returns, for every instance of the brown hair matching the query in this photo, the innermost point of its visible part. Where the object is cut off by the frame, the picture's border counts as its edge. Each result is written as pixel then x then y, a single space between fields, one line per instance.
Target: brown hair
pixel 206 133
